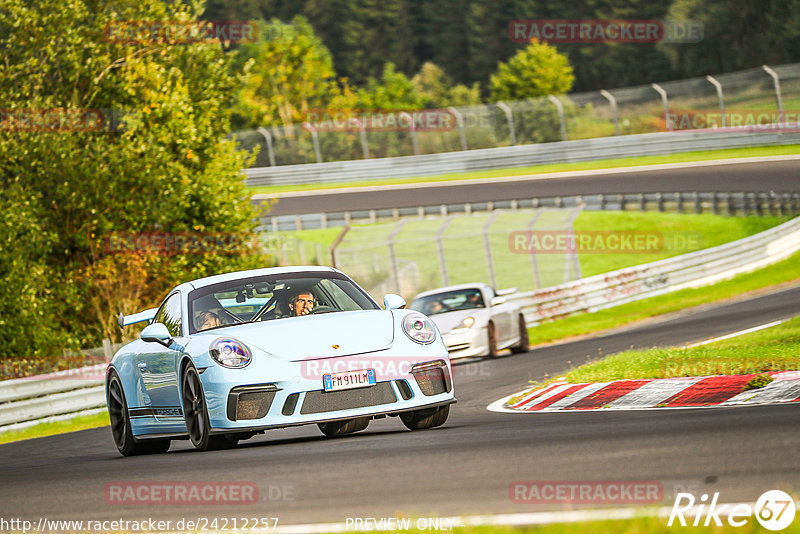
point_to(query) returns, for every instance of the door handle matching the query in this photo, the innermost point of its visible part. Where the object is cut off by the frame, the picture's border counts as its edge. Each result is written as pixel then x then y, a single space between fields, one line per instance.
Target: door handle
pixel 142 366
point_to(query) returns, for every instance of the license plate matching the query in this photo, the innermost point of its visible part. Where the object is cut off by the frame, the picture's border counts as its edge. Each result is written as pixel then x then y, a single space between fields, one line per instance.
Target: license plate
pixel 348 380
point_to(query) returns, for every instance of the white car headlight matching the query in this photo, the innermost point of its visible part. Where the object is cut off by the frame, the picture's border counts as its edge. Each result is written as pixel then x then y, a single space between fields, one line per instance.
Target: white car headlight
pixel 465 325
pixel 419 328
pixel 229 352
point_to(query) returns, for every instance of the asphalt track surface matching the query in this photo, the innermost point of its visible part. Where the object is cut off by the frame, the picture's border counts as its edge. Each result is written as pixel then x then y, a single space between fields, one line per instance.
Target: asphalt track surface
pixel 464 467
pixel 778 176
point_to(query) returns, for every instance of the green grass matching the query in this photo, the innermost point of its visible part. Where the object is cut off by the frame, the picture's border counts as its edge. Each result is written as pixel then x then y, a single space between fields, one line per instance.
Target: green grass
pixel 772 349
pixel 364 255
pixel 554 167
pixel 682 233
pixel 625 314
pixel 82 422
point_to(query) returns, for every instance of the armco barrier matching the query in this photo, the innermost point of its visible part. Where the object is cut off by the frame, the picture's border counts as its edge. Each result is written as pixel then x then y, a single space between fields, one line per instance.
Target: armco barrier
pixel 730 203
pixel 642 281
pixel 66 392
pixel 515 156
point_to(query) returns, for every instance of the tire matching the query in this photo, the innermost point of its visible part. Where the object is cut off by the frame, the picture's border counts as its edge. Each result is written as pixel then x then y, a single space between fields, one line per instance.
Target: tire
pixel 425 418
pixel 492 340
pixel 340 428
pixel 195 413
pixel 524 344
pixel 121 429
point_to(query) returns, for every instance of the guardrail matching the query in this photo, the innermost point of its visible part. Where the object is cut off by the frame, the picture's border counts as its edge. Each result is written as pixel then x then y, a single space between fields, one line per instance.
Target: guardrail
pixel 729 203
pixel 70 392
pixel 515 156
pixel 61 393
pixel 688 270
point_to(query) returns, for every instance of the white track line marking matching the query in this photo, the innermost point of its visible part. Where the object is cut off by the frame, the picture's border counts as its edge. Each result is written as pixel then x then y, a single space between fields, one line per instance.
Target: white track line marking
pixel 735 334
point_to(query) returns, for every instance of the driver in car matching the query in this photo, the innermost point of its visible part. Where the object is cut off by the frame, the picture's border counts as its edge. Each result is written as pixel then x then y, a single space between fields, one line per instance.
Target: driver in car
pixel 301 303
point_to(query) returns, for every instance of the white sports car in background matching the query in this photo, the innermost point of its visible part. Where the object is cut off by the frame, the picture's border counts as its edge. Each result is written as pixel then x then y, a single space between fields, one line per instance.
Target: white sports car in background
pixel 474 319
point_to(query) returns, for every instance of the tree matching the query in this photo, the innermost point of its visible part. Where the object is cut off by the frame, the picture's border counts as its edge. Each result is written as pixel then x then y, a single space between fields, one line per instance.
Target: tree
pixel 538 70
pixel 166 168
pixel 437 89
pixel 289 72
pixel 392 92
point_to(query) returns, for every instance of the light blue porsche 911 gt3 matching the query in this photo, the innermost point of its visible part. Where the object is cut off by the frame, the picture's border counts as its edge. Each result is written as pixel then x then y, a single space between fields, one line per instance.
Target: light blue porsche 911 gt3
pixel 226 357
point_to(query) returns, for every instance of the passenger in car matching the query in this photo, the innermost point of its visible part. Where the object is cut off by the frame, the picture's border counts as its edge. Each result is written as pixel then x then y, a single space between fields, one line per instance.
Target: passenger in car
pixel 206 320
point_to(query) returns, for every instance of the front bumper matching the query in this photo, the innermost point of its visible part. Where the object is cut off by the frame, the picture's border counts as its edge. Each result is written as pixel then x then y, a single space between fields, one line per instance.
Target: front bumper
pixel 472 342
pixel 272 393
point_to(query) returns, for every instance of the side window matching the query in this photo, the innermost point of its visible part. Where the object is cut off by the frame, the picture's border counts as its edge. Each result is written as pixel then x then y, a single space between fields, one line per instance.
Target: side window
pixel 170 314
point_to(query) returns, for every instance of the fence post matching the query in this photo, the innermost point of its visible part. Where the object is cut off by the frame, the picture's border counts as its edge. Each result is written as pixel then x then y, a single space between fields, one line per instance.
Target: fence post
pixel 572 262
pixel 660 90
pixel 777 82
pixel 108 352
pixel 510 119
pixel 488 248
pixel 393 256
pixel 613 101
pixel 720 97
pixel 270 152
pixel 363 134
pixel 440 250
pixel 460 121
pixel 315 138
pixel 336 242
pixel 412 129
pixel 560 107
pixel 537 283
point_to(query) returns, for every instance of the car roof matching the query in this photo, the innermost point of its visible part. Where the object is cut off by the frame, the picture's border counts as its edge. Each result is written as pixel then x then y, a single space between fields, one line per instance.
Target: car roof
pixel 476 285
pixel 226 277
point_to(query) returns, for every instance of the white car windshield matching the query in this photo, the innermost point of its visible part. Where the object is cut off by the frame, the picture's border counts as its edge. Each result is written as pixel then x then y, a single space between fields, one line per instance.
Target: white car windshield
pixel 266 298
pixel 461 299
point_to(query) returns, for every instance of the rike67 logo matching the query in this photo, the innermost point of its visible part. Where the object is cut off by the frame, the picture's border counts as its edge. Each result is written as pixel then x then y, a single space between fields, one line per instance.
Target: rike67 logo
pixel 774 510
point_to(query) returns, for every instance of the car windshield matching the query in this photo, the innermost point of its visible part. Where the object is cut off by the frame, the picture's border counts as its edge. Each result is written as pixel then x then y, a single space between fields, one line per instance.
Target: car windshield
pixel 462 299
pixel 265 298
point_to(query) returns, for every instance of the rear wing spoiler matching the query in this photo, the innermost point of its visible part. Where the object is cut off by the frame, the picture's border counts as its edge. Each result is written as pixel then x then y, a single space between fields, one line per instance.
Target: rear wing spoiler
pixel 146 315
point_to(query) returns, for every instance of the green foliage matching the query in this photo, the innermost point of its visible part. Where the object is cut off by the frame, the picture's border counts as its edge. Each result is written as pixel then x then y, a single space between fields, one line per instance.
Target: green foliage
pixel 758 382
pixel 288 73
pixel 166 169
pixel 393 91
pixel 437 89
pixel 538 70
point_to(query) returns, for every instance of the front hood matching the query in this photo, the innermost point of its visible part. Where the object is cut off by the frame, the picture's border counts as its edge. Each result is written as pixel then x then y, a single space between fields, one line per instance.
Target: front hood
pixel 314 336
pixel 449 320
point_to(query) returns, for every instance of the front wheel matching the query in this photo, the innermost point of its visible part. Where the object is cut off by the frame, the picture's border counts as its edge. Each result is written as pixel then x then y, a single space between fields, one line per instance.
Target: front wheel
pixel 196 415
pixel 121 424
pixel 425 418
pixel 491 340
pixel 524 344
pixel 340 428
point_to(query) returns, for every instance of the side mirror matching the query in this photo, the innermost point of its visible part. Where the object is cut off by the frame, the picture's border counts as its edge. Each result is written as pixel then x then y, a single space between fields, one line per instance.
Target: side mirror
pixel 393 302
pixel 156 333
pixel 496 301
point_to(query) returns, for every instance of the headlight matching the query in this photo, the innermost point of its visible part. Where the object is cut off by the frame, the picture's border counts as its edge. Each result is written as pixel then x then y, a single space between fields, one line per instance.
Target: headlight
pixel 465 325
pixel 230 353
pixel 419 328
